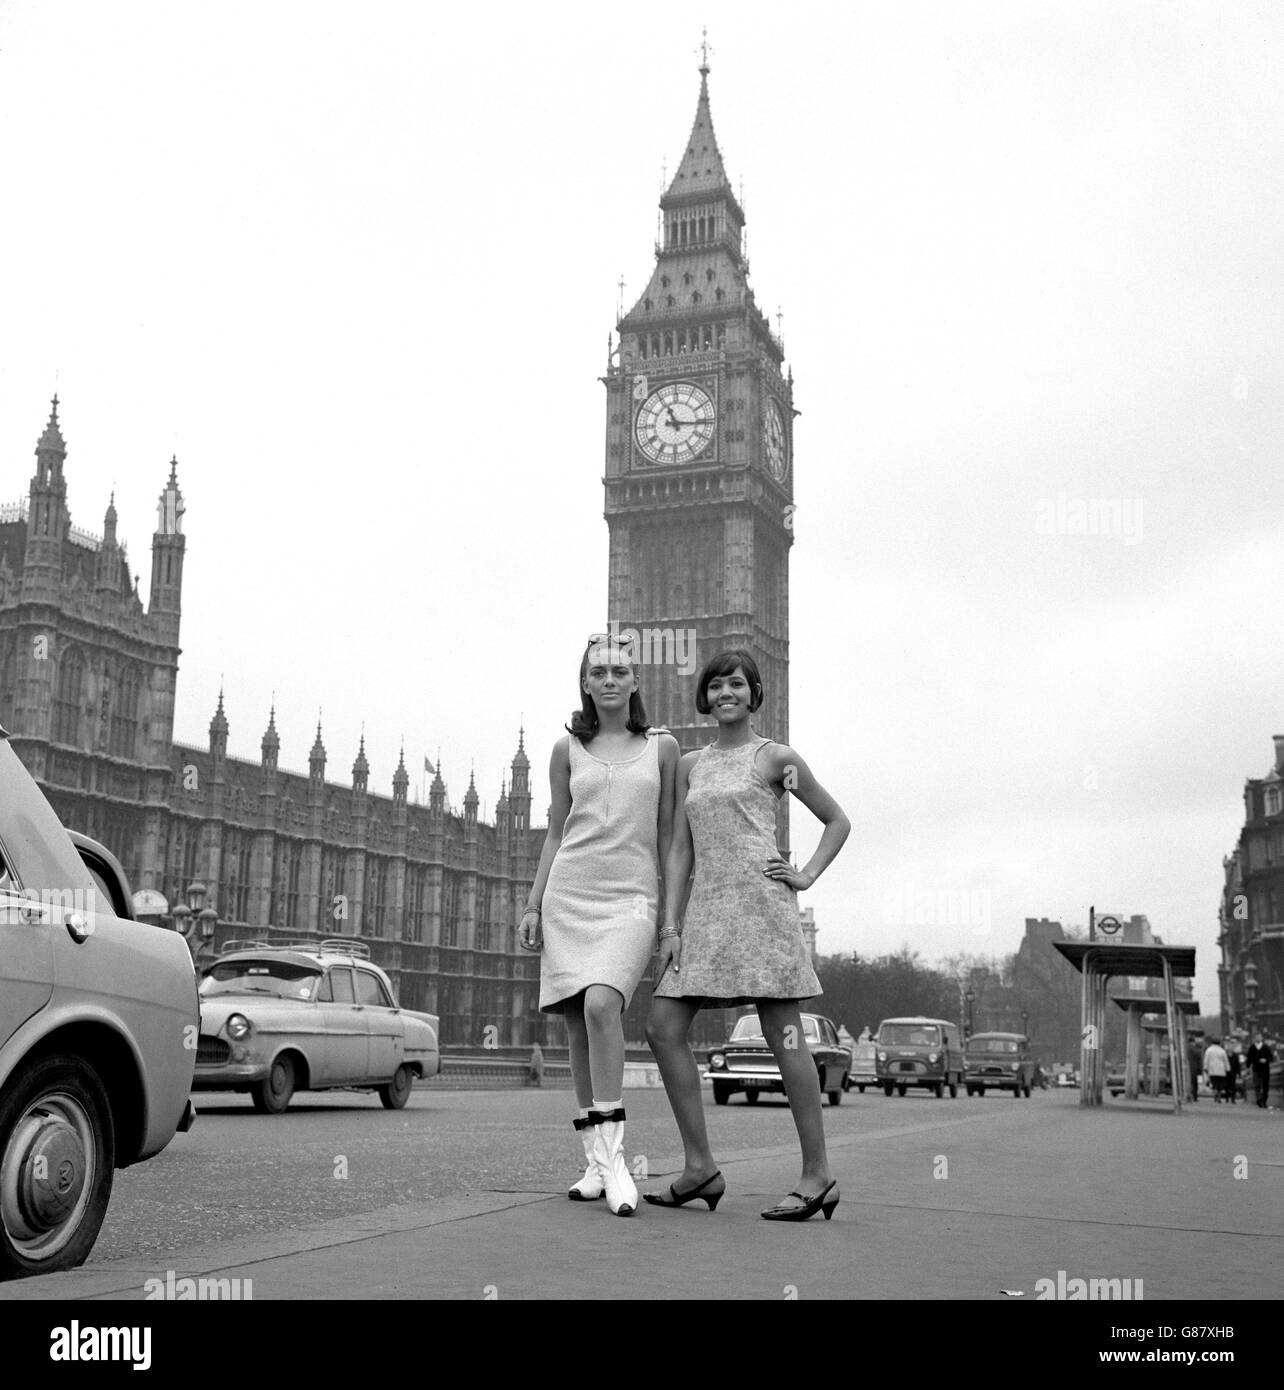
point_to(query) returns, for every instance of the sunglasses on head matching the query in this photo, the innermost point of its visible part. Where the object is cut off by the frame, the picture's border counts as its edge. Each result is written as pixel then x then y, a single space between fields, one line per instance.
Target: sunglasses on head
pixel 611 639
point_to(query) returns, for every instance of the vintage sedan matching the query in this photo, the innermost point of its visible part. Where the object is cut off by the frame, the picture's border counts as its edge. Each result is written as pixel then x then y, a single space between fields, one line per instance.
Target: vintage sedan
pixel 308 1017
pixel 745 1062
pixel 98 1025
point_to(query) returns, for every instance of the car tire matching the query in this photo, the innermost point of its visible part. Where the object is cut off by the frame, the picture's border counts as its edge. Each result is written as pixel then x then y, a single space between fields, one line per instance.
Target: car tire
pixel 1026 1089
pixel 938 1089
pixel 980 1090
pixel 721 1094
pixel 271 1096
pixel 954 1090
pixel 61 1107
pixel 835 1097
pixel 900 1090
pixel 751 1097
pixel 396 1093
pixel 860 1086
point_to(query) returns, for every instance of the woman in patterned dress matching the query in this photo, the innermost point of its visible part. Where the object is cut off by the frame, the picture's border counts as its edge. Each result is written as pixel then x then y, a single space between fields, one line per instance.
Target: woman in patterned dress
pixel 739 940
pixel 594 903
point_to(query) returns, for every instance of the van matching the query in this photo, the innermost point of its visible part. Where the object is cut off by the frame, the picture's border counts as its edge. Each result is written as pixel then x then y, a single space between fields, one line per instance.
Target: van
pixel 919 1052
pixel 999 1062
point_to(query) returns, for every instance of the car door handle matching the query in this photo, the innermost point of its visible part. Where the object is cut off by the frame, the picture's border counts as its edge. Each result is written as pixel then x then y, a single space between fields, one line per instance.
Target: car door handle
pixel 34 912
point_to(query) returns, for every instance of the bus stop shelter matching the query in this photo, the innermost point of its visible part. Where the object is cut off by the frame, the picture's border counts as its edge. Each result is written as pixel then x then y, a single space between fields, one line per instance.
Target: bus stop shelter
pixel 1098 964
pixel 1140 1059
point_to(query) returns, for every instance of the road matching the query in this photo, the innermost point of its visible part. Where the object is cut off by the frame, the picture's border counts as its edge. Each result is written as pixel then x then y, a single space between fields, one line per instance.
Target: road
pixel 461 1196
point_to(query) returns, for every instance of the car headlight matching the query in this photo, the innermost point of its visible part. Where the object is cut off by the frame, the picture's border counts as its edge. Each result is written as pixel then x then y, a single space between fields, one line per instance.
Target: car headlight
pixel 1016 1066
pixel 882 1056
pixel 238 1026
pixel 716 1061
pixel 931 1056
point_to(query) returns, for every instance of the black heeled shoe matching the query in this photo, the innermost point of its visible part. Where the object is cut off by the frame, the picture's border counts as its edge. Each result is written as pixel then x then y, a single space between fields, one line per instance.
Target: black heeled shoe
pixel 676 1199
pixel 822 1201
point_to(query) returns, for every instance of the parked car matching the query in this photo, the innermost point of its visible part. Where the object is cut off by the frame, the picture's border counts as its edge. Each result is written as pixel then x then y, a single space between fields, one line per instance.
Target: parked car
pixel 98 1023
pixel 999 1062
pixel 1115 1081
pixel 864 1066
pixel 308 1017
pixel 918 1052
pixel 745 1062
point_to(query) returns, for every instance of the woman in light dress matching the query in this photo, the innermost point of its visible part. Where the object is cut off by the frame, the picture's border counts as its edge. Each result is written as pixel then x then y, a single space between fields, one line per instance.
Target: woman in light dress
pixel 593 906
pixel 739 939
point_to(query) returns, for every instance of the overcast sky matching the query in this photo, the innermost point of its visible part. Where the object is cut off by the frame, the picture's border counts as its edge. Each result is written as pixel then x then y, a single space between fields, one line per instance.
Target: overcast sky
pixel 357 266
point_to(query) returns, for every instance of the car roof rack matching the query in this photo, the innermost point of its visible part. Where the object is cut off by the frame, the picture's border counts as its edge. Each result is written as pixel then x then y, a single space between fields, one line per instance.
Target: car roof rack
pixel 345 946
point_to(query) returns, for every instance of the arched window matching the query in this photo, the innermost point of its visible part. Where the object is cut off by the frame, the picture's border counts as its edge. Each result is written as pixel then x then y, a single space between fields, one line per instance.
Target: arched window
pixel 69 698
pixel 686 277
pixel 647 303
pixel 695 296
pixel 124 713
pixel 669 300
pixel 717 294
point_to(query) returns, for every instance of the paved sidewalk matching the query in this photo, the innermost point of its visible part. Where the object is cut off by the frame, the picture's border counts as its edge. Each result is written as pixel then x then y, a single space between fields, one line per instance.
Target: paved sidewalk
pixel 937 1203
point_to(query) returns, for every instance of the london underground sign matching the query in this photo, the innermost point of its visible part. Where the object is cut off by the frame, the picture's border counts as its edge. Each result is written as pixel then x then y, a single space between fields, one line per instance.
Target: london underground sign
pixel 1111 929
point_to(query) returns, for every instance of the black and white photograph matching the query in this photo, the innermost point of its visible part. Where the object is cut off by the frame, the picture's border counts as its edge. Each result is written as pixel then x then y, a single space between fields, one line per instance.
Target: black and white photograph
pixel 626 627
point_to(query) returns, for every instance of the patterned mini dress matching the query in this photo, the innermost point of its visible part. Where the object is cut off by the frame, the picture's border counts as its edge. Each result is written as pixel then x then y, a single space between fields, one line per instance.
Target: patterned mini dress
pixel 741 933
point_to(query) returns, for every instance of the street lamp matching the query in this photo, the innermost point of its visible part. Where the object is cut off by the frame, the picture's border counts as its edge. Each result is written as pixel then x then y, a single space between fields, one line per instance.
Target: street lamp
pixel 970 997
pixel 1025 1023
pixel 1250 993
pixel 194 921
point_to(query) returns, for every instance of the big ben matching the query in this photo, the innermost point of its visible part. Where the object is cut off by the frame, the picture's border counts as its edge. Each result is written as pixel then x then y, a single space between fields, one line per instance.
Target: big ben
pixel 699 456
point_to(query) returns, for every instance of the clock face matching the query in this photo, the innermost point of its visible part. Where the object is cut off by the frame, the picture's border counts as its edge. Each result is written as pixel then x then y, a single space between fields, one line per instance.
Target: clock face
pixel 675 423
pixel 774 450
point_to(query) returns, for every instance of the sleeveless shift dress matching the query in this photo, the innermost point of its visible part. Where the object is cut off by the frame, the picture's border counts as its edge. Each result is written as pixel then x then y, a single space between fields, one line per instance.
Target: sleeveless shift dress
pixel 741 933
pixel 602 895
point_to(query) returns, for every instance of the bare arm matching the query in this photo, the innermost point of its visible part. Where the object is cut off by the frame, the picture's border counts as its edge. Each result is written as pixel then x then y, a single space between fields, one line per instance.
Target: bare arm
pixel 677 872
pixel 669 754
pixel 559 780
pixel 783 768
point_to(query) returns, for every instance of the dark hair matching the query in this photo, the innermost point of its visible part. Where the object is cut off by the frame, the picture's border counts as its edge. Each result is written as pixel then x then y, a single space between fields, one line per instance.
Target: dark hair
pixel 584 722
pixel 723 664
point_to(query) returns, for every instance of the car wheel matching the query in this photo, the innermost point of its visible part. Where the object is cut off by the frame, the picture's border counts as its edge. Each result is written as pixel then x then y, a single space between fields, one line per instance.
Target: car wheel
pixel 721 1094
pixel 900 1090
pixel 954 1090
pixel 939 1089
pixel 273 1095
pixel 835 1097
pixel 1016 1090
pixel 57 1158
pixel 751 1097
pixel 860 1086
pixel 887 1089
pixel 397 1092
pixel 1027 1090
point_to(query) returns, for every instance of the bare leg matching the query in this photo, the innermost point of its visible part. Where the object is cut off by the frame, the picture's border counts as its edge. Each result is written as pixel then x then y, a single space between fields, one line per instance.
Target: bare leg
pixel 666 1030
pixel 604 1022
pixel 577 1039
pixel 782 1027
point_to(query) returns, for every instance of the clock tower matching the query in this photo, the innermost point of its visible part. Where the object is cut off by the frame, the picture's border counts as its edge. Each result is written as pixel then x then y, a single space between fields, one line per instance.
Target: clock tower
pixel 699 456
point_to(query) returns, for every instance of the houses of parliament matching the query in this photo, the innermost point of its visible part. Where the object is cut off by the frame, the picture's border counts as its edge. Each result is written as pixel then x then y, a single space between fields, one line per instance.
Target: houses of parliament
pixel 698 484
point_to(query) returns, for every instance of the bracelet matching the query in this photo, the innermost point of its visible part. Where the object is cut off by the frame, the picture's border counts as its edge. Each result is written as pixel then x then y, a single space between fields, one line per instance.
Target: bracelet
pixel 670 936
pixel 537 911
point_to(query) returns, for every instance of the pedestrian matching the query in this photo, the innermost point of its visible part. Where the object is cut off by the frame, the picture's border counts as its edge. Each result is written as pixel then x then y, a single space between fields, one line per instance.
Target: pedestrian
pixel 739 940
pixel 1192 1060
pixel 536 1069
pixel 1216 1068
pixel 1236 1065
pixel 594 903
pixel 1260 1057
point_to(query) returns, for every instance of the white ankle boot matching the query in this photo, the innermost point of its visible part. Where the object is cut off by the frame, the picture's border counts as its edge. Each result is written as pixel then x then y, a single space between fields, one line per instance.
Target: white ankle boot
pixel 608 1150
pixel 592 1185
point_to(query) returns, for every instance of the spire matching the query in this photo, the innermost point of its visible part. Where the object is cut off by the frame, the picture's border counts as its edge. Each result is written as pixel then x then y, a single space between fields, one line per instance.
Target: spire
pixel 401 778
pixel 218 728
pixel 316 758
pixel 109 519
pixel 271 744
pixel 170 509
pixel 519 758
pixel 700 170
pixel 361 768
pixel 51 440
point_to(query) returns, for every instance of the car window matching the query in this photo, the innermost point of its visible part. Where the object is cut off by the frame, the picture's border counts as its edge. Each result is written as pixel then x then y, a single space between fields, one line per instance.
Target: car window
pixel 370 990
pixel 6 878
pixel 811 1029
pixel 339 981
pixel 746 1027
pixel 908 1035
pixel 283 979
pixel 105 896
